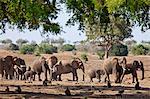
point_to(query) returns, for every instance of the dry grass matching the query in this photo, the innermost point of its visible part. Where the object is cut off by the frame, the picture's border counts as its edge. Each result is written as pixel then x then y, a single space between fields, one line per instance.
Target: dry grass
pixel 78 89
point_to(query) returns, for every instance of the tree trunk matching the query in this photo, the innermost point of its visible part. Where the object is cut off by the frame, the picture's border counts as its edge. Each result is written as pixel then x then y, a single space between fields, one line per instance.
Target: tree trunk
pixel 106 54
pixel 107 49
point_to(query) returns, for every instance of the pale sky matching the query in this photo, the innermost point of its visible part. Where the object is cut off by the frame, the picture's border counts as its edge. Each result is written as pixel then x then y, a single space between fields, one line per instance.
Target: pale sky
pixel 71 33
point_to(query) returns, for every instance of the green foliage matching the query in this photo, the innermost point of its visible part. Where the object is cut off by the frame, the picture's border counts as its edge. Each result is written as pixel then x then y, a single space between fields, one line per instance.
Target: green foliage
pixel 84 57
pixel 139 50
pixel 37 52
pixel 91 11
pixel 30 14
pixel 46 48
pixel 100 54
pixel 27 49
pixel 68 47
pixel 119 50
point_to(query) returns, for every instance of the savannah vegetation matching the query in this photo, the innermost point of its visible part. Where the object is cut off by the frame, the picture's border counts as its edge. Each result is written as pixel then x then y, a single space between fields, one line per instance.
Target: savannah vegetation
pixel 105 22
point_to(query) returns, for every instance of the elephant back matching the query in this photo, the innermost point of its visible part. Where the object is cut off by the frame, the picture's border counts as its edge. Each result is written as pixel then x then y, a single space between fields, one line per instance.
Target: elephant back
pixel 110 65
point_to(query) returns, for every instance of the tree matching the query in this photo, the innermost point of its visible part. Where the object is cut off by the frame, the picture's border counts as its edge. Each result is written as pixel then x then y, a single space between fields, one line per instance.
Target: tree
pixel 30 14
pixel 6 41
pixel 59 41
pixel 68 47
pixel 20 42
pixel 140 50
pixel 119 50
pixel 33 43
pixel 134 12
pixel 130 44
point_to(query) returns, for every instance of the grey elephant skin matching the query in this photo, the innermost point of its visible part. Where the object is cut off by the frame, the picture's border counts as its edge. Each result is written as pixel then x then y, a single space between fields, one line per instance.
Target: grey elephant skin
pixel 111 66
pixel 95 73
pixel 131 68
pixel 19 67
pixel 64 67
pixel 6 66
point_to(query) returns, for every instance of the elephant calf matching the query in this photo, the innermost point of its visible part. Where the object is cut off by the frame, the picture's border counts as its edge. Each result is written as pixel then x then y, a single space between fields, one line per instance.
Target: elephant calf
pixel 29 75
pixel 95 73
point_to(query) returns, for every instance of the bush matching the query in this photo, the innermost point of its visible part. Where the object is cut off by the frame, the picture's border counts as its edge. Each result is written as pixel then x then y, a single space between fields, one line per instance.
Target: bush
pixel 27 49
pixel 46 48
pixel 13 47
pixel 119 50
pixel 100 54
pixel 68 47
pixel 84 57
pixel 139 50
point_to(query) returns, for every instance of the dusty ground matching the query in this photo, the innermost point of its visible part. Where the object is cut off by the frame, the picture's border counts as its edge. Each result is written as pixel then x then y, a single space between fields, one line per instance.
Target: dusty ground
pixel 78 89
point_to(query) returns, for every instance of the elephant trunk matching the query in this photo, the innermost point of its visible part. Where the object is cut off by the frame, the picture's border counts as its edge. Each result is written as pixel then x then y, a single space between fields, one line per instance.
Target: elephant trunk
pixel 142 68
pixel 123 73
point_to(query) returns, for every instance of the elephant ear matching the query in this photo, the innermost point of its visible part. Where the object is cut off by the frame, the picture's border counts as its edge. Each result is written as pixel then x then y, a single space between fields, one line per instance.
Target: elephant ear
pixel 75 64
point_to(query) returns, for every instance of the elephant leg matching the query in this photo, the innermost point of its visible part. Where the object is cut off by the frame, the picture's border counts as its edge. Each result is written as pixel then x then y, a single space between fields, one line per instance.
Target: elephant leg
pixel 39 76
pixel 134 75
pixel 59 77
pixel 98 76
pixel 34 77
pixel 73 76
pixel 122 76
pixel 21 76
pixel 11 77
pixel 142 73
pixel 117 78
pixel 76 75
pixel 91 79
pixel 6 76
pixel 45 74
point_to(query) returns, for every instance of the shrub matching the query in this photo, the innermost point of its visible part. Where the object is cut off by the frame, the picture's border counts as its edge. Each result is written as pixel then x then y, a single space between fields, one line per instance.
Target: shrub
pixel 46 48
pixel 100 54
pixel 68 47
pixel 139 50
pixel 119 50
pixel 27 49
pixel 13 47
pixel 84 57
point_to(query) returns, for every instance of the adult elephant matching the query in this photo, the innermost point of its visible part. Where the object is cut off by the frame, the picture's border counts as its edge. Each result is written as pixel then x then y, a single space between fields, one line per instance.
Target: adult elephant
pixel 131 68
pixel 63 67
pixel 19 67
pixel 51 62
pixel 40 65
pixel 111 66
pixel 6 66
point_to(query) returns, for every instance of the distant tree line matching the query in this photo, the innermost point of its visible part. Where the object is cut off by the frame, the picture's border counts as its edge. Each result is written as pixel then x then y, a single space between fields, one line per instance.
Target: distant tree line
pixel 49 46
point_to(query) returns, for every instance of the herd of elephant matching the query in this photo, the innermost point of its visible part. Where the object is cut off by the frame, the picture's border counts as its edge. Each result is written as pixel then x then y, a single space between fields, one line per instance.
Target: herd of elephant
pixel 15 67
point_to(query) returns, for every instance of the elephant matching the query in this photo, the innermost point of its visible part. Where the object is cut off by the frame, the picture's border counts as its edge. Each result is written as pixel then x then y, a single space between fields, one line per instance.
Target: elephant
pixel 6 66
pixel 63 67
pixel 131 69
pixel 19 67
pixel 29 75
pixel 40 65
pixel 95 73
pixel 51 62
pixel 111 66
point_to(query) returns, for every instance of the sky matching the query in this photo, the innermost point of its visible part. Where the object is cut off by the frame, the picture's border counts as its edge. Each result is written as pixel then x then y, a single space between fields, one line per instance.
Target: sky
pixel 71 34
